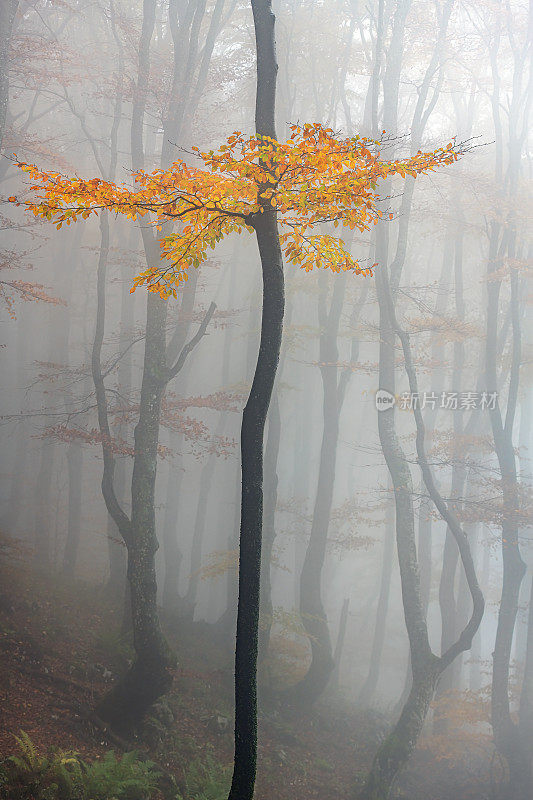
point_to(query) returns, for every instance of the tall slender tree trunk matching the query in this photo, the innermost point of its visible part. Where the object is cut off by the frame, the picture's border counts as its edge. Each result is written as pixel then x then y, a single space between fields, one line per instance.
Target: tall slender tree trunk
pixel 17 488
pixel 339 645
pixel 150 676
pixel 311 604
pixel 117 583
pixel 227 620
pixel 449 604
pixel 476 654
pixel 75 467
pixel 172 547
pixel 8 9
pixel 272 449
pixel 399 745
pixel 369 687
pixel 426 666
pixel 252 430
pixel 506 732
pixel 206 480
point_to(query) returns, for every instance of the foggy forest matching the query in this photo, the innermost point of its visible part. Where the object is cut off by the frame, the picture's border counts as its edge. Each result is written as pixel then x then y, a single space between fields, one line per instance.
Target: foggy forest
pixel 266 412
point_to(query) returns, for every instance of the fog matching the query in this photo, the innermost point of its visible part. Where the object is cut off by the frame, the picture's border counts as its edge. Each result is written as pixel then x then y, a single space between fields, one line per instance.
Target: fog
pixel 395 644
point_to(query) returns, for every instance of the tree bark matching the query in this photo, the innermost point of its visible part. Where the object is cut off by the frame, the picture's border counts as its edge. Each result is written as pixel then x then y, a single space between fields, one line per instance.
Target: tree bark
pixel 252 430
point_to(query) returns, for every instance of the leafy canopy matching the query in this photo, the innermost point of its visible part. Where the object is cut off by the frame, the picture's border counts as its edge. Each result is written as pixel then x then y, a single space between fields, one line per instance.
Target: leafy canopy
pixel 314 178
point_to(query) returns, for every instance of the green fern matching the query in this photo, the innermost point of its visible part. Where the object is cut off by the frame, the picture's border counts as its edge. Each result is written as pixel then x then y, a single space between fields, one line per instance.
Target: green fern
pixel 207 779
pixel 127 778
pixel 63 775
pixel 29 758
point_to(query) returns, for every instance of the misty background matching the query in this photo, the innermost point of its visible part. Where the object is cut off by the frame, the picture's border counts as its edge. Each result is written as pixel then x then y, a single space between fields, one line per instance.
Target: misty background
pixel 462 69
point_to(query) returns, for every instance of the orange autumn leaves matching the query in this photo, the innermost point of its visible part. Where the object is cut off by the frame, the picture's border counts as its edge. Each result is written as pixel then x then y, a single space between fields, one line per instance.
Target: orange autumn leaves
pixel 313 180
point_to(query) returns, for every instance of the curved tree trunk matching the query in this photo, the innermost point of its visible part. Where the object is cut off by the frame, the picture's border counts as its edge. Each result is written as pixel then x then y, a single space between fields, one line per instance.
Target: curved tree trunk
pixel 426 667
pixel 150 675
pixel 449 604
pixel 252 430
pixel 397 748
pixel 311 604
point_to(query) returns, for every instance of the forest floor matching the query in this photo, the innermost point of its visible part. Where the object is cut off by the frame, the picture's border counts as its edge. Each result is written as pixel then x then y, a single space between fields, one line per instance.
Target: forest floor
pixel 61 649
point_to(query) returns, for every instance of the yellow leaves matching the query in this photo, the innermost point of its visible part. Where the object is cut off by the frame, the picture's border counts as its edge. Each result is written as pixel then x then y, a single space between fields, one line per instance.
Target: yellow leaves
pixel 314 178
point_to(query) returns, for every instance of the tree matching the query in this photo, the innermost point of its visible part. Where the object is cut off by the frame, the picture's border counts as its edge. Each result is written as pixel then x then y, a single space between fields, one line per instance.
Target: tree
pixel 426 667
pixel 512 738
pixel 8 10
pixel 250 183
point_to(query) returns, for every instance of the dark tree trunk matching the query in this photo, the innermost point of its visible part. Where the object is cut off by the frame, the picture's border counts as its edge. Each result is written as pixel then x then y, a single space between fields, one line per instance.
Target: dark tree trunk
pixel 252 430
pixel 226 622
pixel 254 417
pixel 270 506
pixel 253 422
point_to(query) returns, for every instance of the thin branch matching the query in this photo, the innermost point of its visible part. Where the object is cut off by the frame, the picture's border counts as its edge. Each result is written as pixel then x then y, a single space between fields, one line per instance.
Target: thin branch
pixel 173 371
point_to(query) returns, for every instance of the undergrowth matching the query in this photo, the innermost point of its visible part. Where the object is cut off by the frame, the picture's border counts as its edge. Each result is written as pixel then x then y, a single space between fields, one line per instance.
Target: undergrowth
pixel 64 775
